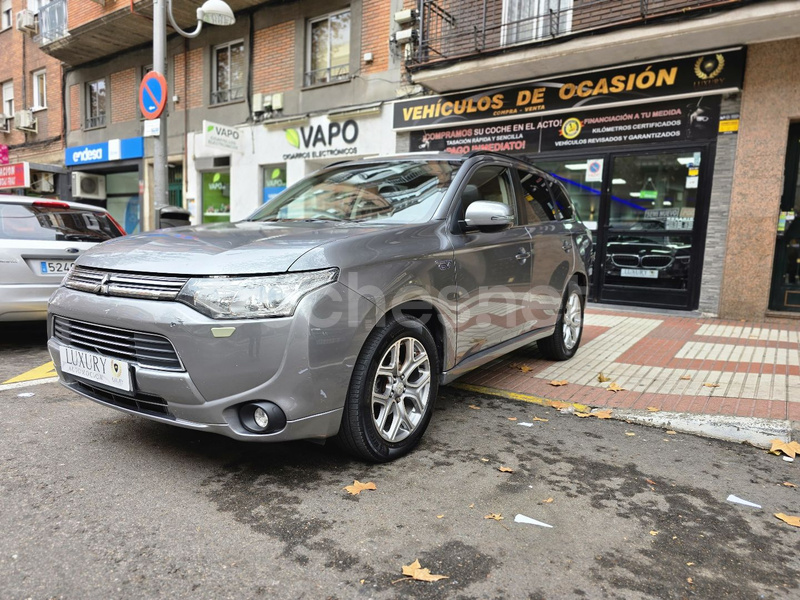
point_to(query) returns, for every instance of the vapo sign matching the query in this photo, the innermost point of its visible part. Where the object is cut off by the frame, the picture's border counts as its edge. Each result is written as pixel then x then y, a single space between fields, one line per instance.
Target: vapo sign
pixel 322 140
pixel 15 175
pixel 221 136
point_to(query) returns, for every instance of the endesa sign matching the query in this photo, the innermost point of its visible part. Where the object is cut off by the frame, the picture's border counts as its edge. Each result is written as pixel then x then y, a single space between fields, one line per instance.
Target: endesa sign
pixel 104 151
pixel 15 175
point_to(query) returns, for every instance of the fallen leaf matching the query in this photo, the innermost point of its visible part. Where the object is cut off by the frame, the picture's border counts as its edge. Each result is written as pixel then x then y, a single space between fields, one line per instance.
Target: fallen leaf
pixel 558 404
pixel 686 377
pixel 472 505
pixel 359 487
pixel 415 571
pixel 602 378
pixel 613 387
pixel 484 460
pixel 512 418
pixel 690 564
pixel 582 414
pixel 505 469
pixel 602 414
pixel 651 482
pixel 548 501
pixel 525 368
pixel 653 533
pixel 790 519
pixel 788 484
pixel 558 383
pixel 670 432
pixel 630 433
pixel 495 516
pixel 711 385
pixel 362 581
pixel 791 449
pixel 540 420
pixel 690 580
pixel 652 409
pixel 440 516
pixel 473 407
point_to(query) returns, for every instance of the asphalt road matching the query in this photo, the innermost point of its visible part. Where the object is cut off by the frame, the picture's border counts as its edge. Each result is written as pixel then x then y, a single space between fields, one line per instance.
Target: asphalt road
pixel 98 504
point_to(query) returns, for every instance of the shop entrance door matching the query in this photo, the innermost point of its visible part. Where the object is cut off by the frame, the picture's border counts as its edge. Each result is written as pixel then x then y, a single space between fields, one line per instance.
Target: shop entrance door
pixel 647 212
pixel 785 294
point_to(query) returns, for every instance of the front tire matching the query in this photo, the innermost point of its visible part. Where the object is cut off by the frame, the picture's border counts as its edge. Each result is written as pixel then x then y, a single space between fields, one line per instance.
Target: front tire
pixel 392 391
pixel 566 338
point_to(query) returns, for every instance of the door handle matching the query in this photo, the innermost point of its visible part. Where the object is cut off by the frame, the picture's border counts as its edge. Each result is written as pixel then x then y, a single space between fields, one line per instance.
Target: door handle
pixel 523 255
pixel 566 246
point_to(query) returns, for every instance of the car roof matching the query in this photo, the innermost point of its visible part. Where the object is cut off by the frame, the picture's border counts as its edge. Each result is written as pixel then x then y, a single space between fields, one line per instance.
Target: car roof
pixel 443 156
pixel 29 200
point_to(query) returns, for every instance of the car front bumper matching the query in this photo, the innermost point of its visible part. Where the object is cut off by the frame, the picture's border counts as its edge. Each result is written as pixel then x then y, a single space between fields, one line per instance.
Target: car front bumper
pixel 301 363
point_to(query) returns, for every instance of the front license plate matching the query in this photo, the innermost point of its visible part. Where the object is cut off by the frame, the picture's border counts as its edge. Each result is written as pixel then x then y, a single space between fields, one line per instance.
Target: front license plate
pixel 55 266
pixel 100 369
pixel 648 273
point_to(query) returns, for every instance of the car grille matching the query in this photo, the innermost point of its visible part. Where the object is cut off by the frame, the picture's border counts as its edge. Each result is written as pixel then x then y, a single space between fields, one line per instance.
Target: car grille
pixel 125 285
pixel 145 349
pixel 139 402
pixel 656 262
pixel 645 262
pixel 625 260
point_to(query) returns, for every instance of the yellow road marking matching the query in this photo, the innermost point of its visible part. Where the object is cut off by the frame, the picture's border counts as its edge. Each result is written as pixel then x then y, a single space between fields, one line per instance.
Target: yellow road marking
pixel 517 396
pixel 46 371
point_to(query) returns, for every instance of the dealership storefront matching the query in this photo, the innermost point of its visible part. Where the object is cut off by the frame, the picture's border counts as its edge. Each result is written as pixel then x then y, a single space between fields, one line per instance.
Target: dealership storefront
pixel 636 147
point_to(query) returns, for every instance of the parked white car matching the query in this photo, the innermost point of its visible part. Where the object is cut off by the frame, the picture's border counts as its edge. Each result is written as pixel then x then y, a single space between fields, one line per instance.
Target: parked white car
pixel 39 241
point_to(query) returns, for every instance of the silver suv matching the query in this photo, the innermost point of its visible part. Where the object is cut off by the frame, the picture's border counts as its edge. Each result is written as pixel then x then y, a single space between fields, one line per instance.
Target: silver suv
pixel 336 309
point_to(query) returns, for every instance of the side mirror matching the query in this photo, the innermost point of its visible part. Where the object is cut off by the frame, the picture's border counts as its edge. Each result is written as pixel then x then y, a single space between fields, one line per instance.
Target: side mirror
pixel 488 216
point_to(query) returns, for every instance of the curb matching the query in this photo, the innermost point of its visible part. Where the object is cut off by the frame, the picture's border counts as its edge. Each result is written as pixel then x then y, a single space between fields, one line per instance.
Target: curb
pixel 754 431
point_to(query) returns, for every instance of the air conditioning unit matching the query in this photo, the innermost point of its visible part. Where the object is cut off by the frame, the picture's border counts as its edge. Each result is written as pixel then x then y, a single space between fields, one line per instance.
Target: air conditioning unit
pixel 27 21
pixel 25 121
pixel 88 185
pixel 44 183
pixel 5 123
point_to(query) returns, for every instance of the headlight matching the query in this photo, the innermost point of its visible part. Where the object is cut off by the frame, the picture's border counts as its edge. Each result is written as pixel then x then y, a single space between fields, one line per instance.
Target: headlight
pixel 252 297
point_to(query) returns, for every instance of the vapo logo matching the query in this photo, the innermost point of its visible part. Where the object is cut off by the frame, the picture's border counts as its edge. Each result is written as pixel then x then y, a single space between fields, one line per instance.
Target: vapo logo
pixel 319 141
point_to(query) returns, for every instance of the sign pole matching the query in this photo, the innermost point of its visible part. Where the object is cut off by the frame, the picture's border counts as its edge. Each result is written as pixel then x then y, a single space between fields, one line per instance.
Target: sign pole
pixel 160 152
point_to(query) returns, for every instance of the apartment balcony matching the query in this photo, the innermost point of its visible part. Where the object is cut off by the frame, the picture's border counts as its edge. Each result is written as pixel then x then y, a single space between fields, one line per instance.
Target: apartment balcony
pixel 101 31
pixel 472 43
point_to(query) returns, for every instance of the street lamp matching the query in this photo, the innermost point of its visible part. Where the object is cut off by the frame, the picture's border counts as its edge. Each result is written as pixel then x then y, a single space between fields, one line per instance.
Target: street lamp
pixel 213 12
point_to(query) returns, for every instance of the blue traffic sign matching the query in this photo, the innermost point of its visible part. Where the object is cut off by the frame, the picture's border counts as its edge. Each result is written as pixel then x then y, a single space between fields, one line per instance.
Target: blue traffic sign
pixel 153 95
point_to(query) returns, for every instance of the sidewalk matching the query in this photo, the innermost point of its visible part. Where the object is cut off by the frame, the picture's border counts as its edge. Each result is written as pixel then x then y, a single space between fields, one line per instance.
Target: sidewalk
pixel 684 364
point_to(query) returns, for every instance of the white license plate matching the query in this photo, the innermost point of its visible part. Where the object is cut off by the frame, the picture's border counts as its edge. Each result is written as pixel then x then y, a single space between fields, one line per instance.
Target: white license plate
pixel 55 266
pixel 100 369
pixel 648 273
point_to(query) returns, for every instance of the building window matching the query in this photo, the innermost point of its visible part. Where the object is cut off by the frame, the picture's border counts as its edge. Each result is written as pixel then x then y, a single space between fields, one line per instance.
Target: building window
pixel 531 20
pixel 8 99
pixel 229 73
pixel 52 20
pixel 39 89
pixel 96 104
pixel 36 5
pixel 5 8
pixel 328 51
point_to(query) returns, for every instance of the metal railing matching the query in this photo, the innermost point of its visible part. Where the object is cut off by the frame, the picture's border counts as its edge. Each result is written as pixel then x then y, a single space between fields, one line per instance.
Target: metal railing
pixel 96 121
pixel 228 95
pixel 451 29
pixel 327 75
pixel 52 22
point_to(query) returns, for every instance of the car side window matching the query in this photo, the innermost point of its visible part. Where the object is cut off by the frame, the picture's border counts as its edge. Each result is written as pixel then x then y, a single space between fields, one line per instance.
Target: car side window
pixel 563 203
pixel 539 204
pixel 488 183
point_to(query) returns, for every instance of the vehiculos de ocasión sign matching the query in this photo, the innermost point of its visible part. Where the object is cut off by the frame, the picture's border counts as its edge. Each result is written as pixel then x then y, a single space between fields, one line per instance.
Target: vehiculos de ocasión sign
pixel 712 72
pixel 15 175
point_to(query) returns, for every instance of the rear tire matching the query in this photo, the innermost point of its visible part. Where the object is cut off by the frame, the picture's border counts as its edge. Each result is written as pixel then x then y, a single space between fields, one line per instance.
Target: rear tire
pixel 392 391
pixel 566 338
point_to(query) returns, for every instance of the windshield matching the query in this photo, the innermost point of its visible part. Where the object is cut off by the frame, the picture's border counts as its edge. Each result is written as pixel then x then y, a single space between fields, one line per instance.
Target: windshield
pixel 397 191
pixel 30 222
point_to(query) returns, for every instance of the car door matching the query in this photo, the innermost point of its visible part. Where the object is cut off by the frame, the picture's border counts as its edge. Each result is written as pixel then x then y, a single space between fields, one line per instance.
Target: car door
pixel 544 205
pixel 493 273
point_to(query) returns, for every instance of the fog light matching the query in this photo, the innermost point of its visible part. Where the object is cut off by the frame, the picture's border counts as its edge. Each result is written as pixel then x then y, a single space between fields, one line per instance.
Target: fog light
pixel 261 417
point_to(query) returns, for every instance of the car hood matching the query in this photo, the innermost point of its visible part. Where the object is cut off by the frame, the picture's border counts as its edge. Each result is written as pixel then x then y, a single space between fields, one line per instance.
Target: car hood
pixel 243 248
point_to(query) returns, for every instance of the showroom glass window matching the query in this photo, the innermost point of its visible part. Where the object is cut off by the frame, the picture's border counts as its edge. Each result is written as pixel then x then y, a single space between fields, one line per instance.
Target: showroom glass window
pixel 229 73
pixel 96 104
pixel 328 52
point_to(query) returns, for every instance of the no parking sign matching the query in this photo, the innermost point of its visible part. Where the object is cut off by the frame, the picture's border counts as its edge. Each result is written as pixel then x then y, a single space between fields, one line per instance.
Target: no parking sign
pixel 594 169
pixel 153 95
